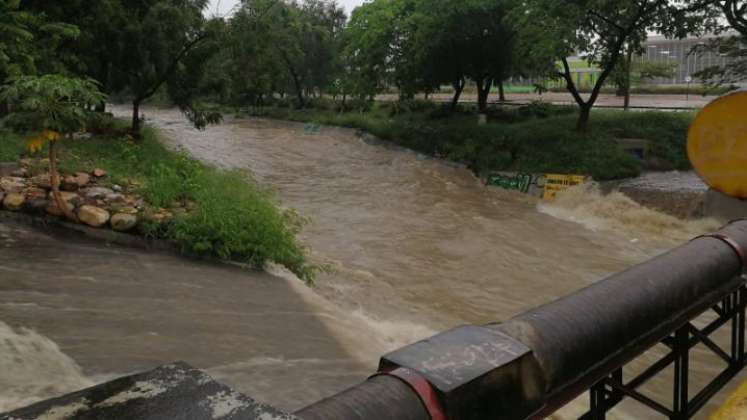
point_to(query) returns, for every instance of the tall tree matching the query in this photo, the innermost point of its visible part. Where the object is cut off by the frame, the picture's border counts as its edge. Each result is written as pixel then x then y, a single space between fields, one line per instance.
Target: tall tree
pixel 600 31
pixel 50 107
pixel 159 38
pixel 376 48
pixel 321 42
pixel 133 47
pixel 735 12
pixel 732 47
pixel 277 45
pixel 16 36
pixel 418 45
pixel 471 39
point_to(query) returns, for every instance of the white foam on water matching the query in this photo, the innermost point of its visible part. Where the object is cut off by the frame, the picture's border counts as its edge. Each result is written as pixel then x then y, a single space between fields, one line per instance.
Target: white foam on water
pixel 34 368
pixel 586 205
pixel 365 336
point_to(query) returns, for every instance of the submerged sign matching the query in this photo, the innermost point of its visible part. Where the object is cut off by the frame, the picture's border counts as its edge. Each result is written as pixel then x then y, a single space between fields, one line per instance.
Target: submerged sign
pixel 555 183
pixel 540 185
pixel 518 182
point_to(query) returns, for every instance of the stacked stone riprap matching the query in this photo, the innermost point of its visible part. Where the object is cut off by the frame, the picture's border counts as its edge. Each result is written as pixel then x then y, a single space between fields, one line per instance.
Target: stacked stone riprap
pixel 25 189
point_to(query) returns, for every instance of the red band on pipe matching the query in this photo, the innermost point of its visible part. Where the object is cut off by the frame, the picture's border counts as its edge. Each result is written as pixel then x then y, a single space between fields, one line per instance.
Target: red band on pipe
pixel 733 244
pixel 422 388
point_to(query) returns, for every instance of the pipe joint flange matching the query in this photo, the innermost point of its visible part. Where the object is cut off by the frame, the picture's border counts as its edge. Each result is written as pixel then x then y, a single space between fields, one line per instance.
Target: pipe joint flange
pixel 422 389
pixel 734 245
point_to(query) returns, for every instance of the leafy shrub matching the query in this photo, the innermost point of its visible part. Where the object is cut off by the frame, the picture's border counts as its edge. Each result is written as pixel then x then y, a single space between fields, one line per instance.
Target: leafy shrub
pixel 556 148
pixel 355 104
pixel 540 109
pixel 323 104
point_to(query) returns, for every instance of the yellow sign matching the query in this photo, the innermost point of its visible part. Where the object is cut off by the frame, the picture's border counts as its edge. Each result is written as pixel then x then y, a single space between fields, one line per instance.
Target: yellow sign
pixel 555 183
pixel 717 144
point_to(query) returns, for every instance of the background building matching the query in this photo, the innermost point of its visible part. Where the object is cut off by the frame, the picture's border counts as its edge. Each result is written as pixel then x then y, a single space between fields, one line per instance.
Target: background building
pixel 684 53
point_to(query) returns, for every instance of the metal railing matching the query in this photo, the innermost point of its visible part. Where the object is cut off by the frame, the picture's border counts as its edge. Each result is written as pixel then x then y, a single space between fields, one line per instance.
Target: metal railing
pixel 535 363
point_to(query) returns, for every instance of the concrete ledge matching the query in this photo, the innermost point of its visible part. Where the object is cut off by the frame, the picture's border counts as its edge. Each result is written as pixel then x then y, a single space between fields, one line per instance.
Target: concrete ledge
pixel 174 392
pixel 721 206
pixel 681 204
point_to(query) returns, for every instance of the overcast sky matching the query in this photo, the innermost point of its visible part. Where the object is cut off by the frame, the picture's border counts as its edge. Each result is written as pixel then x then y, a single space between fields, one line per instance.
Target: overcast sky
pixel 223 6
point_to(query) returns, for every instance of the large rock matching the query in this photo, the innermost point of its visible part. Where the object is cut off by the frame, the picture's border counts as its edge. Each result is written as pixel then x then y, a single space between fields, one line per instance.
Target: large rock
pixel 12 184
pixel 160 216
pixel 54 210
pixel 42 181
pixel 115 198
pixel 35 193
pixel 74 182
pixel 68 197
pixel 124 222
pixel 93 216
pixel 14 201
pixel 97 192
pixel 69 183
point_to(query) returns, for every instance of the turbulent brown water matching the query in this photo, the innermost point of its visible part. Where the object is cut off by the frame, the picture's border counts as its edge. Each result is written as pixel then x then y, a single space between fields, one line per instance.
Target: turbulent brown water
pixel 418 245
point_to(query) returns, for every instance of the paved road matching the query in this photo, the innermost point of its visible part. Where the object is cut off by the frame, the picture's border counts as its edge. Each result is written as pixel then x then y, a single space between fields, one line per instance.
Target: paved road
pixel 605 100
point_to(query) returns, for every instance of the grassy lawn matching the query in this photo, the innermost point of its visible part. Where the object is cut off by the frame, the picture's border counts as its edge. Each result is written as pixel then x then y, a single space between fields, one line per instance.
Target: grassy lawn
pixel 534 138
pixel 234 218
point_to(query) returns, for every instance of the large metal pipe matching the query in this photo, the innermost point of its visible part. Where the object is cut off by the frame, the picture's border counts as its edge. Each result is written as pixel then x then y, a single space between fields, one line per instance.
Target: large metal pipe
pixel 579 338
pixel 571 342
pixel 381 397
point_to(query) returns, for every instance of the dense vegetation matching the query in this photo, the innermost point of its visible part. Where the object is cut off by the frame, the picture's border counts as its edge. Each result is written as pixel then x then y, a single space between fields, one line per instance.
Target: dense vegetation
pixel 419 46
pixel 534 138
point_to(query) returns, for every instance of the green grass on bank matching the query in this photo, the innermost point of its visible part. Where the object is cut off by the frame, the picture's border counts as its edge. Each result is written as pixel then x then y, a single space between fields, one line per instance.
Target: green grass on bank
pixel 535 138
pixel 235 219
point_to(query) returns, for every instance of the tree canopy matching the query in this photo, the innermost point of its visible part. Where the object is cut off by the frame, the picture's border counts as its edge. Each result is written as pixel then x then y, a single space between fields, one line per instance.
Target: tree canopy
pixel 131 47
pixel 601 32
pixel 300 50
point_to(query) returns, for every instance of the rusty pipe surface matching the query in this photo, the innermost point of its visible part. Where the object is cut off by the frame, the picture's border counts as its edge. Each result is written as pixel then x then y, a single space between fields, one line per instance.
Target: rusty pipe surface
pixel 574 341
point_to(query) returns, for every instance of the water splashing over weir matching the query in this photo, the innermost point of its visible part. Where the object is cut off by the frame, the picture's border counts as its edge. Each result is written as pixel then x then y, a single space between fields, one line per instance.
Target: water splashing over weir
pixel 34 368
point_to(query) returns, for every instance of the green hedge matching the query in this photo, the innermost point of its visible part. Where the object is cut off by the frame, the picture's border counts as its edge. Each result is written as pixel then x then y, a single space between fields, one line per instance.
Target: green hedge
pixel 534 138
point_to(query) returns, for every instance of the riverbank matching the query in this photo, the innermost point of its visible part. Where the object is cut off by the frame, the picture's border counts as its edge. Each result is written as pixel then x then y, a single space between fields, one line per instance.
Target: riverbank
pixel 205 212
pixel 536 138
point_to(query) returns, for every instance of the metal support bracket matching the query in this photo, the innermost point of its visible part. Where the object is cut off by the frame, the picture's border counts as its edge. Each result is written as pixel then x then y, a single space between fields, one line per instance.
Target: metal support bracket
pixel 610 391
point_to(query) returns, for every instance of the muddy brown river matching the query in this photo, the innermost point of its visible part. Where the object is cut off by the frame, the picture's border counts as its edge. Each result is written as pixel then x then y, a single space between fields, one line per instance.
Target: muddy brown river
pixel 416 246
